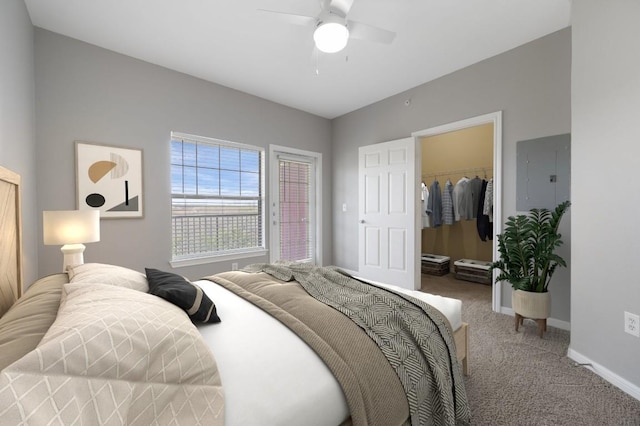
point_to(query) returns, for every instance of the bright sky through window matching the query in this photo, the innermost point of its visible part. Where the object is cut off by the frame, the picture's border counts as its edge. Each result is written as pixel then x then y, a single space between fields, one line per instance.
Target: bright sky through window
pixel 216 191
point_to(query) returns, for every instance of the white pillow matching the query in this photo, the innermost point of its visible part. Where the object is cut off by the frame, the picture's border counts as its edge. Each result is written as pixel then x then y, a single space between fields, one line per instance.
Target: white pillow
pixel 101 273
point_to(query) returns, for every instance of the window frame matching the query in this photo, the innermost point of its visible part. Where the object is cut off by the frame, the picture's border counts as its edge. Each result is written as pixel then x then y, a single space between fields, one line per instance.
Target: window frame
pixel 223 255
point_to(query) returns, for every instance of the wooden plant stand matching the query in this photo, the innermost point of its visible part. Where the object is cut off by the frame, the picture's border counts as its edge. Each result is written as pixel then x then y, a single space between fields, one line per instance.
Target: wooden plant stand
pixel 542 324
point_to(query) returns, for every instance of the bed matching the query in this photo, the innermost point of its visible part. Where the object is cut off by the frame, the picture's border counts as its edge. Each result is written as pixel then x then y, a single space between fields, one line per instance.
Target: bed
pixel 92 346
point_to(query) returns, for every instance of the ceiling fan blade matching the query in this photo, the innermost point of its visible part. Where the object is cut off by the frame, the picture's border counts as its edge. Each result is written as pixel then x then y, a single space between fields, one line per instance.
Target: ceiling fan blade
pixel 344 6
pixel 293 18
pixel 361 31
pixel 324 5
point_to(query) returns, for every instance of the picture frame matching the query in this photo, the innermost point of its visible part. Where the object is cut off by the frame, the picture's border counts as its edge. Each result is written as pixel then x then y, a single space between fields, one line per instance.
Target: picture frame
pixel 109 179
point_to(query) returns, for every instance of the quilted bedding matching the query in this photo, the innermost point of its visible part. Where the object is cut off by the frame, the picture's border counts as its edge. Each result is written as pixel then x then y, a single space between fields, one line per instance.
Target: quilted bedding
pixel 114 356
pixel 415 338
pixel 117 355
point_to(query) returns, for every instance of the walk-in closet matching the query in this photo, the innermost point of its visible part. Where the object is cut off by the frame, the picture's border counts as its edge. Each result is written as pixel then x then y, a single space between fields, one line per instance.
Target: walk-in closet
pixel 457 202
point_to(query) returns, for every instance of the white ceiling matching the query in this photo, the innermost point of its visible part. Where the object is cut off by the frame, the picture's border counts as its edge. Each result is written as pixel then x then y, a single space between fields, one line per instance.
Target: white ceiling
pixel 234 44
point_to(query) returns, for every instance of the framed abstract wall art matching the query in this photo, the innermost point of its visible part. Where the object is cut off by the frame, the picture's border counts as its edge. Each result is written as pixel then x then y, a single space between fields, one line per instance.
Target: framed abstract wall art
pixel 109 179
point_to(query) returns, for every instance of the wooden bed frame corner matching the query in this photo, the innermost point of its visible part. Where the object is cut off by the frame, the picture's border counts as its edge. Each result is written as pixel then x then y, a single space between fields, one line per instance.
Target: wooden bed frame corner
pixel 10 238
pixel 461 338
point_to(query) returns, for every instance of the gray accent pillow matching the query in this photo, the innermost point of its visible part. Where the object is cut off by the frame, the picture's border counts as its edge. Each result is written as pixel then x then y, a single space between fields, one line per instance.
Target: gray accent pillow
pixel 182 293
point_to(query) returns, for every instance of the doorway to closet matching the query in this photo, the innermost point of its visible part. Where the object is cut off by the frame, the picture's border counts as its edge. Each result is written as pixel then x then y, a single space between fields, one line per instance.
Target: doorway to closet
pixel 469 149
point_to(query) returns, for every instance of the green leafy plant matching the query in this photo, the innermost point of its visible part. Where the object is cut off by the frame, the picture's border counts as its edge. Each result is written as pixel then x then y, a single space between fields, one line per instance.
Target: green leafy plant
pixel 527 249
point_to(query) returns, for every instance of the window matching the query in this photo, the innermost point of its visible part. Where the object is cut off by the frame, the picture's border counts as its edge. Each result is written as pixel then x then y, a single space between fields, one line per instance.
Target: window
pixel 216 198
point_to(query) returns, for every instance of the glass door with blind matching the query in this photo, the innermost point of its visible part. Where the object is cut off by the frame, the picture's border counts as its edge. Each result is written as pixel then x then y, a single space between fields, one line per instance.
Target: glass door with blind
pixel 294 230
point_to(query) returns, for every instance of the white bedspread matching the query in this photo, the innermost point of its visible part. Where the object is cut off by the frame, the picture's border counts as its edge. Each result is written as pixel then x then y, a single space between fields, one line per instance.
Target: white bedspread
pixel 251 349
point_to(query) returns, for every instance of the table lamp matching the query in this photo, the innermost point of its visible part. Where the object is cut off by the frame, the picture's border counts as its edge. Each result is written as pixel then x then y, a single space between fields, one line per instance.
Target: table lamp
pixel 71 228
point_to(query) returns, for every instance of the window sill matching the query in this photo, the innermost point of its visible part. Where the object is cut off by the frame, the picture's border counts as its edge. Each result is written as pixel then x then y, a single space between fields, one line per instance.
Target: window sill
pixel 181 263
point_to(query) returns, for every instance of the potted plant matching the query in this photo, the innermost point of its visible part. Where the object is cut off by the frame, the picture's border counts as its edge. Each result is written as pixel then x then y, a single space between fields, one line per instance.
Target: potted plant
pixel 528 260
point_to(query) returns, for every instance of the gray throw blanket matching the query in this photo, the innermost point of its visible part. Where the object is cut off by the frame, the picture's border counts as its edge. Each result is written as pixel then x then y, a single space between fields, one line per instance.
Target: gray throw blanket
pixel 415 338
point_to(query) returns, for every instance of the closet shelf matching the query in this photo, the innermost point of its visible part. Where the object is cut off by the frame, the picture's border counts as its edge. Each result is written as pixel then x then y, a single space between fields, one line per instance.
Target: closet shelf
pixel 467 171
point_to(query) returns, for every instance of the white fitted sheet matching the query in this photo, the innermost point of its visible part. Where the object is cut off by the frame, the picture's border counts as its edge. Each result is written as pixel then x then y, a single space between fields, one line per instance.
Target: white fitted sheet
pixel 269 375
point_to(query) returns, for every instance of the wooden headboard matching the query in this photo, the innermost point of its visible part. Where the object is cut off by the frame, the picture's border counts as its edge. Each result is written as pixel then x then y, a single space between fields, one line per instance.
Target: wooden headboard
pixel 10 239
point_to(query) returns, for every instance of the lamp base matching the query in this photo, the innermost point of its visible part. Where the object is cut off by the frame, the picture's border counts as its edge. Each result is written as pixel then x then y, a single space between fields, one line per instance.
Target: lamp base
pixel 73 255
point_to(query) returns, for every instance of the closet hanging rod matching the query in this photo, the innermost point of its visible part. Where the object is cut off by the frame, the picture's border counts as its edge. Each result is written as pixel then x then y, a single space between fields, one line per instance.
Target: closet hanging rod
pixel 459 172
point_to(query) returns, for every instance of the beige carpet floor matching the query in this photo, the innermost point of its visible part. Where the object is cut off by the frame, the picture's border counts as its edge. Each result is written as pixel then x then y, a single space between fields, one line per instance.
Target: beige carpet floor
pixel 516 378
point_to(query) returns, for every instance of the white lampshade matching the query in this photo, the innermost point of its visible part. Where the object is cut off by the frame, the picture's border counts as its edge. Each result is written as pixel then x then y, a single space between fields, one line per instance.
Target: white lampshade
pixel 71 226
pixel 331 37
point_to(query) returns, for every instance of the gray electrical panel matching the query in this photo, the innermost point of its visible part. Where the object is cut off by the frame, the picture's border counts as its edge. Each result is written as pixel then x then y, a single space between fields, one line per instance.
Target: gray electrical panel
pixel 543 172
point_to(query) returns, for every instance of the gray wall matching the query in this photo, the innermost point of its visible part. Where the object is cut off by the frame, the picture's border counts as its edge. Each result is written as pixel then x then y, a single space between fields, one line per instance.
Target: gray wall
pixel 605 164
pixel 91 94
pixel 17 121
pixel 530 84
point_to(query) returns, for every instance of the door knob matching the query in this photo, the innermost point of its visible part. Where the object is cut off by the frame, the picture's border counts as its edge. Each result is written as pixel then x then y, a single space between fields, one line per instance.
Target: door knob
pixel 361 220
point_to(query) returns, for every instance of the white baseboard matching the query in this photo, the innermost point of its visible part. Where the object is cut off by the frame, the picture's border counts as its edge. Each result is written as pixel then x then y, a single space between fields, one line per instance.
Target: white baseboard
pixel 605 373
pixel 562 325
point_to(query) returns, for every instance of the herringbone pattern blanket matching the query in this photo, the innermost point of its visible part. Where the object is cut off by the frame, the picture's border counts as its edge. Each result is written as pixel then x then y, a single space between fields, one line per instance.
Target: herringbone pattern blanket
pixel 415 338
pixel 371 387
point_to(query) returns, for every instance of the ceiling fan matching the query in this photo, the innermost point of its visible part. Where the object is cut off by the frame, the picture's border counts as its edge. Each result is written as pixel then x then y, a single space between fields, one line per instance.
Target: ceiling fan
pixel 333 29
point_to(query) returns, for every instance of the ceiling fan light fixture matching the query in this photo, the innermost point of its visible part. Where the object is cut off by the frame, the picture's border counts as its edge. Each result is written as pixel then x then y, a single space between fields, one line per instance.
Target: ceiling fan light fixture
pixel 331 37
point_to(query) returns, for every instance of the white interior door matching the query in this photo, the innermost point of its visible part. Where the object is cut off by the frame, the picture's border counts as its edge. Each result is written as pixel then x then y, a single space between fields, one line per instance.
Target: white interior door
pixel 389 235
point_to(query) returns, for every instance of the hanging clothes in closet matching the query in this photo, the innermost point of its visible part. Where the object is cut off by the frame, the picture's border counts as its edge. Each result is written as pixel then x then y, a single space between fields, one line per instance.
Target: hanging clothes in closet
pixel 484 225
pixel 434 204
pixel 475 186
pixel 488 201
pixel 448 215
pixel 466 200
pixel 424 200
pixel 462 200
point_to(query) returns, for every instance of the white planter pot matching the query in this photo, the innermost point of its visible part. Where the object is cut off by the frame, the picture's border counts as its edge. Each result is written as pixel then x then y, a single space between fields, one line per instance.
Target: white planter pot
pixel 531 305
